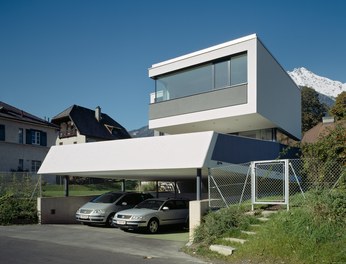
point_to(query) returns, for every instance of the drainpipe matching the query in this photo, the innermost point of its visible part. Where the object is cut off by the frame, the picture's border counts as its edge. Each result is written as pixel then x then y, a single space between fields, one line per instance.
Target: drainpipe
pixel 198 184
pixel 66 185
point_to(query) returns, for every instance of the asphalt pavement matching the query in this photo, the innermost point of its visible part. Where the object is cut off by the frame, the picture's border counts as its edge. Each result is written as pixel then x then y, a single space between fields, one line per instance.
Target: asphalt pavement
pixel 67 244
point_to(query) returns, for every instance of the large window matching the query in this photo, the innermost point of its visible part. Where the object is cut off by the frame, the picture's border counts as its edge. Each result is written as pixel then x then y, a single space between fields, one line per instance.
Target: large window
pixel 225 73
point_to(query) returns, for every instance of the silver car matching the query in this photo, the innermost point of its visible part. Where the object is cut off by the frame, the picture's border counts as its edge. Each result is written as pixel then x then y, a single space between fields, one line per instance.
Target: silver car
pixel 153 213
pixel 102 209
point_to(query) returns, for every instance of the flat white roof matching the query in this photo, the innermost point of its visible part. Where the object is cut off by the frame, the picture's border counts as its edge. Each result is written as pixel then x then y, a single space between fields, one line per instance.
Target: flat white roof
pixel 151 158
pixel 201 56
pixel 199 52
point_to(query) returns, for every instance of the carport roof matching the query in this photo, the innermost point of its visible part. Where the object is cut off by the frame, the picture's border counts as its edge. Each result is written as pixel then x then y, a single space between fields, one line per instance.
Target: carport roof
pixel 170 157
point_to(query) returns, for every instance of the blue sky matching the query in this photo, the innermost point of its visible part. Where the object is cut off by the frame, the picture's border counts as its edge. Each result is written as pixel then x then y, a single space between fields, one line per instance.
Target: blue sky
pixel 54 54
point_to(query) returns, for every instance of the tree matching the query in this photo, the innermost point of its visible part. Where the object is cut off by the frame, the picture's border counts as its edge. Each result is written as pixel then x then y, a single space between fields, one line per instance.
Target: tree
pixel 339 108
pixel 312 109
pixel 325 160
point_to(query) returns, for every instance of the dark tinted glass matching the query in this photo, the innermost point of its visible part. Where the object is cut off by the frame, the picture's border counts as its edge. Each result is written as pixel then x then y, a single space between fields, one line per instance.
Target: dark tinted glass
pixel 107 198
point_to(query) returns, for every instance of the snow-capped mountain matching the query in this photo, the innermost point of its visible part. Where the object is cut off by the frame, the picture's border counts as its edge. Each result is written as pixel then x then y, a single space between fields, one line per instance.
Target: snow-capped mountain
pixel 322 85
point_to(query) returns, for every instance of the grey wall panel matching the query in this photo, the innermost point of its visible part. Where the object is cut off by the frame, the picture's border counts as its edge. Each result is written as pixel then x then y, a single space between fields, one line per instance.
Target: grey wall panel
pixel 206 101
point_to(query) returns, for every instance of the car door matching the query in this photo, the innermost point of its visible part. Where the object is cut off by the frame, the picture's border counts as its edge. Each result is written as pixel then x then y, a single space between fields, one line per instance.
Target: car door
pixel 127 201
pixel 181 211
pixel 175 214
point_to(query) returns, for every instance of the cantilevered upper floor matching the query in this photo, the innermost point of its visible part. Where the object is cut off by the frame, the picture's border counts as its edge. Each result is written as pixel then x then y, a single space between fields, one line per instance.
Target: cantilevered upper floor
pixel 236 87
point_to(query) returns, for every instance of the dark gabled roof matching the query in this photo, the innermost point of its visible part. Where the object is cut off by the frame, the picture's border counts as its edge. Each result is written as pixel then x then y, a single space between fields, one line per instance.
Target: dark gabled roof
pixel 87 125
pixel 10 112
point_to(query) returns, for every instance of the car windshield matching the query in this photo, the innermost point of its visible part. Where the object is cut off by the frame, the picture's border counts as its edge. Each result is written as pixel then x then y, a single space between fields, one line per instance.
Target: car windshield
pixel 150 204
pixel 107 198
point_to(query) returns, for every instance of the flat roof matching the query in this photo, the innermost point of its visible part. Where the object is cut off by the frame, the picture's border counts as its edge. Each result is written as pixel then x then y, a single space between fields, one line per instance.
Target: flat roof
pixel 152 158
pixel 199 52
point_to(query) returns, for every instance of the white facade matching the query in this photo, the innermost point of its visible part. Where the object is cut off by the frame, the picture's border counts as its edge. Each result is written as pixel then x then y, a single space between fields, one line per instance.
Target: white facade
pixel 272 100
pixel 16 153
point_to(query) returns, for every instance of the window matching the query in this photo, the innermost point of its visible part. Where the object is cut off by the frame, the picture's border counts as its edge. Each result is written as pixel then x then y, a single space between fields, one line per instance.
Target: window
pixel 227 72
pixel 221 74
pixel 238 69
pixel 2 132
pixel 35 165
pixel 20 165
pixel 36 137
pixel 21 136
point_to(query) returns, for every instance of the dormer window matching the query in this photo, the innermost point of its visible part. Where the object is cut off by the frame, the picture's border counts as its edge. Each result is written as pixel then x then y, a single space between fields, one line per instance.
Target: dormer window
pixel 113 130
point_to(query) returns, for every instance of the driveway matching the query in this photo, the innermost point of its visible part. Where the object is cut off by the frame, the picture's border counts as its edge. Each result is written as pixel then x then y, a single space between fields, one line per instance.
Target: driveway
pixel 85 244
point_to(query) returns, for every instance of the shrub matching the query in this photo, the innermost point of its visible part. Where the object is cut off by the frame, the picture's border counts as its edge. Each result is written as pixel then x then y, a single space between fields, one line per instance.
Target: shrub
pixel 219 223
pixel 15 210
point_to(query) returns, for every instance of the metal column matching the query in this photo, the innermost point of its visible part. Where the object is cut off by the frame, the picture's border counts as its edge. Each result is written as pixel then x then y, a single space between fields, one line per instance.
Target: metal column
pixel 66 185
pixel 199 184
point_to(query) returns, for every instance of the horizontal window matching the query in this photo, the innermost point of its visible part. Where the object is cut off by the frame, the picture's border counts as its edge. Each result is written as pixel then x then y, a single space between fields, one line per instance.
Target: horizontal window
pixel 219 74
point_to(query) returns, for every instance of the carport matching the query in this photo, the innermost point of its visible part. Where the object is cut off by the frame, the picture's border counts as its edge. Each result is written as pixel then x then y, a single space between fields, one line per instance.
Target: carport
pixel 166 158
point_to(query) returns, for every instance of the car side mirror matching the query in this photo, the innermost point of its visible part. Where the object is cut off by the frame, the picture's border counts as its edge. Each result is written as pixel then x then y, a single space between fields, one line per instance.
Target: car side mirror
pixel 124 203
pixel 165 208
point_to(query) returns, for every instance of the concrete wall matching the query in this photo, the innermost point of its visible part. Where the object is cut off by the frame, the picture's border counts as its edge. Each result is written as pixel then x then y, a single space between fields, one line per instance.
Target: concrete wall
pixel 60 210
pixel 197 210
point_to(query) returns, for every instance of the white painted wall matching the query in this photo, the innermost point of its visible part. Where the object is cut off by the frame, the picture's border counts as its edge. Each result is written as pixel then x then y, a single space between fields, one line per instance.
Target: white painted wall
pixel 278 97
pixel 12 150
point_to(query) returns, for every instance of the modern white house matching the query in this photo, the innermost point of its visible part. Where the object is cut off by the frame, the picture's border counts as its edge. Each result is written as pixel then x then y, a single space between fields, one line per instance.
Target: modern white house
pixel 235 96
pixel 236 87
pixel 230 103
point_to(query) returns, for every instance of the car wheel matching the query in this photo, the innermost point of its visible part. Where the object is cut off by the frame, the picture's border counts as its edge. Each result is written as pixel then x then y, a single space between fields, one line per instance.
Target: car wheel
pixel 153 226
pixel 110 220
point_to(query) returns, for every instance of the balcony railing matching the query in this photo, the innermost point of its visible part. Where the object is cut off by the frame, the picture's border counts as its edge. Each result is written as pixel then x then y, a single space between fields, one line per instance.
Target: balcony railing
pixel 68 133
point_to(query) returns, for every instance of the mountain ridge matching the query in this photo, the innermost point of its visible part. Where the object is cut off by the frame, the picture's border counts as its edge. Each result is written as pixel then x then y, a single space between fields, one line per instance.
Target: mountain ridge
pixel 323 85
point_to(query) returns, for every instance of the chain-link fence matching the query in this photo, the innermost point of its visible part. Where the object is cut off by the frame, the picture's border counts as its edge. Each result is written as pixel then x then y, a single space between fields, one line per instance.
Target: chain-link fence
pixel 20 184
pixel 271 182
pixel 227 184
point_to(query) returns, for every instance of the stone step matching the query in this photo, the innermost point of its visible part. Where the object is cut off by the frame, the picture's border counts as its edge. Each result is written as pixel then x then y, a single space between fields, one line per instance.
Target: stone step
pixel 223 250
pixel 263 219
pixel 251 233
pixel 233 239
pixel 266 213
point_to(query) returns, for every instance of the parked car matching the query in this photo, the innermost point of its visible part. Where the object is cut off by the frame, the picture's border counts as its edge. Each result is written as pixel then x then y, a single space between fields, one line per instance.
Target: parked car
pixel 153 213
pixel 102 209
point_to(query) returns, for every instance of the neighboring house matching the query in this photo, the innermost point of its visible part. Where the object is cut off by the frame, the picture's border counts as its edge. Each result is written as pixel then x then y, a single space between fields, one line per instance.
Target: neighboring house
pixel 81 125
pixel 24 139
pixel 235 88
pixel 321 129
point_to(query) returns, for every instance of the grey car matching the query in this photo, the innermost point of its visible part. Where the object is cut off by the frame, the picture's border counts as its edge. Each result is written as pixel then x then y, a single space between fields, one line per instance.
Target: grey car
pixel 102 209
pixel 153 213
